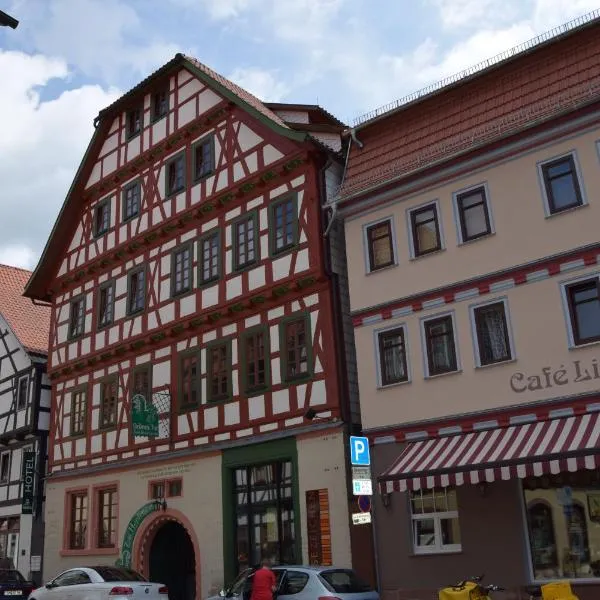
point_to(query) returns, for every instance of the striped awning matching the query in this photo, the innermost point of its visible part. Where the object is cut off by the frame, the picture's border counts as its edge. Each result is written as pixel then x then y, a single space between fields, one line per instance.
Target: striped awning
pixel 524 450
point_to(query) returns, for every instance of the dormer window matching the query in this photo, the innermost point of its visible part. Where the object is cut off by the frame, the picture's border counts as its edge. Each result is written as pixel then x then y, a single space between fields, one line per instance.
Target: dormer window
pixel 160 105
pixel 134 122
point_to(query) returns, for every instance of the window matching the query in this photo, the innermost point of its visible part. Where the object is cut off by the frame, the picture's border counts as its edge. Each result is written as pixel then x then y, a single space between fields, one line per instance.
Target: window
pixel 425 230
pixel 9 541
pixel 176 175
pixel 380 245
pixel 4 467
pixel 219 371
pixel 491 331
pixel 142 382
pixel 77 317
pixel 255 346
pixel 393 366
pixel 295 582
pixel 107 518
pixel 563 512
pixel 283 228
pixel 295 348
pixel 245 247
pixel 160 104
pixel 72 577
pixel 204 158
pixel 561 184
pixel 169 488
pixel 108 403
pixel 106 304
pixel 78 412
pixel 181 270
pixel 78 518
pixel 22 393
pixel 131 200
pixel 345 581
pixel 435 521
pixel 134 122
pixel 440 345
pixel 189 388
pixel 136 292
pixel 210 257
pixel 102 217
pixel 473 214
pixel 265 515
pixel 583 299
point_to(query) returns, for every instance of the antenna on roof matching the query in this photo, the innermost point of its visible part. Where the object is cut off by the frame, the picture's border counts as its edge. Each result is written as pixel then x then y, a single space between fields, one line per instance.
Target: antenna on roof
pixel 544 37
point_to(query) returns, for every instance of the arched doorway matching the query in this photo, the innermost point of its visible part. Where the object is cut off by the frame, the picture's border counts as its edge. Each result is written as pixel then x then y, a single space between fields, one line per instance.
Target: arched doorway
pixel 172 561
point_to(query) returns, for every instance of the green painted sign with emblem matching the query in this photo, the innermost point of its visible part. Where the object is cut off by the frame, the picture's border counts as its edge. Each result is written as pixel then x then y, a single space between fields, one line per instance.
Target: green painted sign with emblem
pixel 131 531
pixel 144 417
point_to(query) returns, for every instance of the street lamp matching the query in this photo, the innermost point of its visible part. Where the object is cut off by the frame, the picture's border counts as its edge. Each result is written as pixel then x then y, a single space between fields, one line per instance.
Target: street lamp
pixel 8 21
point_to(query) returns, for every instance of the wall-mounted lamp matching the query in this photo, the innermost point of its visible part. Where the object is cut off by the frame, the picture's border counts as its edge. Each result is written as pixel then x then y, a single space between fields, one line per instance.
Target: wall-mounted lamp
pixel 311 414
pixel 386 499
pixel 160 504
pixel 483 486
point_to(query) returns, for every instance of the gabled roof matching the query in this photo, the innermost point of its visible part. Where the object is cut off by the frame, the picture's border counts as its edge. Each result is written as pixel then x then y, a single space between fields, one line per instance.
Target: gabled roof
pixel 59 237
pixel 317 113
pixel 30 322
pixel 554 74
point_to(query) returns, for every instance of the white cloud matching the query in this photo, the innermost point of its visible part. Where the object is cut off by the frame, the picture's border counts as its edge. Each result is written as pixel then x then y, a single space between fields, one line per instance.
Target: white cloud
pixel 474 13
pixel 265 85
pixel 18 256
pixel 41 146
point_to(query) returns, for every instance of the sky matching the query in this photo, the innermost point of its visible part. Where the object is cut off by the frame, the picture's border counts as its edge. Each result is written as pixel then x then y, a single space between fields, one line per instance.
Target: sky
pixel 70 58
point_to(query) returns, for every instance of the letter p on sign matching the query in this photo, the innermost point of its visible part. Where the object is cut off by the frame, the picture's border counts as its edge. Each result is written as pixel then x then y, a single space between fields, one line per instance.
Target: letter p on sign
pixel 359 451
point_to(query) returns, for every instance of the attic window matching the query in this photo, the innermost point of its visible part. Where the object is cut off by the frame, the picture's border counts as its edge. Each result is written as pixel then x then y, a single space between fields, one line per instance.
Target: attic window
pixel 134 122
pixel 160 105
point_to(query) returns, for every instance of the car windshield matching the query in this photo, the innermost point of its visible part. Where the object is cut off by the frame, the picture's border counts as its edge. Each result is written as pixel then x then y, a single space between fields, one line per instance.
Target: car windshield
pixel 11 576
pixel 344 581
pixel 117 574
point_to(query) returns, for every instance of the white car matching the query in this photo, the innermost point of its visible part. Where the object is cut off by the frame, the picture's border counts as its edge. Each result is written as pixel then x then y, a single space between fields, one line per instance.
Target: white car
pixel 100 583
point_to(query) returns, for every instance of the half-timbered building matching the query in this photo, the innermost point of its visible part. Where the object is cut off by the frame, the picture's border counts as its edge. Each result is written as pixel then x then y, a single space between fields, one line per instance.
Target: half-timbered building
pixel 24 422
pixel 202 375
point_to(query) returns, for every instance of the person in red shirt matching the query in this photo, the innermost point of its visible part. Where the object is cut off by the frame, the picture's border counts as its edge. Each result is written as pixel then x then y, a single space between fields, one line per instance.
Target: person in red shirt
pixel 264 583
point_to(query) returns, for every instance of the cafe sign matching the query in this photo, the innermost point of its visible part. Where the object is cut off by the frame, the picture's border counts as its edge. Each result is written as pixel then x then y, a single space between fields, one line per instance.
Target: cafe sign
pixel 576 371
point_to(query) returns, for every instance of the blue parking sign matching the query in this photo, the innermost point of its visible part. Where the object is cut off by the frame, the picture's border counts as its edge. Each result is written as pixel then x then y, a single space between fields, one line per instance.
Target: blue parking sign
pixel 359 451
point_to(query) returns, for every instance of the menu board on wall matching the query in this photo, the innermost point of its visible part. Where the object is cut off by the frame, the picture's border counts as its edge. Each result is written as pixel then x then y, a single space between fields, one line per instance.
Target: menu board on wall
pixel 318 525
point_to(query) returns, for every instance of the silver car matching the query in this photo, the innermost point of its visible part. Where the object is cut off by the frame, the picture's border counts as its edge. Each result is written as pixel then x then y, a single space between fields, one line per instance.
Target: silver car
pixel 305 583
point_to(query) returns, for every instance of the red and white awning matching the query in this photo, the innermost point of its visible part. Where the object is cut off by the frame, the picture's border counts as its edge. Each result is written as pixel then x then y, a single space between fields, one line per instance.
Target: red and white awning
pixel 528 449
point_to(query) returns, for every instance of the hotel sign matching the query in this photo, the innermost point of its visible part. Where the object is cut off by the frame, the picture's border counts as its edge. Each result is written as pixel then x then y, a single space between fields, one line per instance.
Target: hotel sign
pixel 28 476
pixel 144 417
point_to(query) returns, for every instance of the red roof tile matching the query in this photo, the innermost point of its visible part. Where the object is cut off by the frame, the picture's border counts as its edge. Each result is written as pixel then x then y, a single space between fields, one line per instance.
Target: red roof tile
pixel 546 80
pixel 29 322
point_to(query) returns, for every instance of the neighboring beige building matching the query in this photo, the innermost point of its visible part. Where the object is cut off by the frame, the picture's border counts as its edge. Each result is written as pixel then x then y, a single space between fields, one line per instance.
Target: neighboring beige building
pixel 475 296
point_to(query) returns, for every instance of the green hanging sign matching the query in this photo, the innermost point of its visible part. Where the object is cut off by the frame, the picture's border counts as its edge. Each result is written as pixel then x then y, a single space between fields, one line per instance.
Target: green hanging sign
pixel 144 417
pixel 28 481
pixel 131 531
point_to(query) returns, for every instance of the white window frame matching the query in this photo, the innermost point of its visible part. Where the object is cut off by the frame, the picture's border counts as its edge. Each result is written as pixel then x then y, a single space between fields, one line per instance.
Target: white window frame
pixel 472 308
pixel 411 245
pixel 365 236
pixel 567 311
pixel 542 184
pixel 436 517
pixel 2 455
pixel 376 334
pixel 456 210
pixel 422 321
pixel 24 407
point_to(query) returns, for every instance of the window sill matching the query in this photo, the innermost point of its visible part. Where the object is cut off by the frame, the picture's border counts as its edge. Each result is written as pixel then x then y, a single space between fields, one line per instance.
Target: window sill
pixel 172 194
pixel 437 376
pixel 477 239
pixel 97 236
pixel 132 136
pixel 156 119
pixel 275 254
pixel 381 269
pixel 393 385
pixel 130 218
pixel 208 283
pixel 427 254
pixel 415 554
pixel 89 552
pixel 550 215
pixel 103 327
pixel 496 364
pixel 199 178
pixel 584 345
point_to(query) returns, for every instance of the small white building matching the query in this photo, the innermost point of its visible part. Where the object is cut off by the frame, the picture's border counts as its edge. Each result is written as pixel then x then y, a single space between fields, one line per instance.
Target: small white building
pixel 24 422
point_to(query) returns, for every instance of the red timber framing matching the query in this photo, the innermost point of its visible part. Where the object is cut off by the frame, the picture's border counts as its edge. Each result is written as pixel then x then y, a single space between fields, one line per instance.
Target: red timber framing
pixel 256 164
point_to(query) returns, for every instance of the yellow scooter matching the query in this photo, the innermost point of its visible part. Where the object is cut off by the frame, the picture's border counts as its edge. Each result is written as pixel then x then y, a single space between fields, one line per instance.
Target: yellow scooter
pixel 469 589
